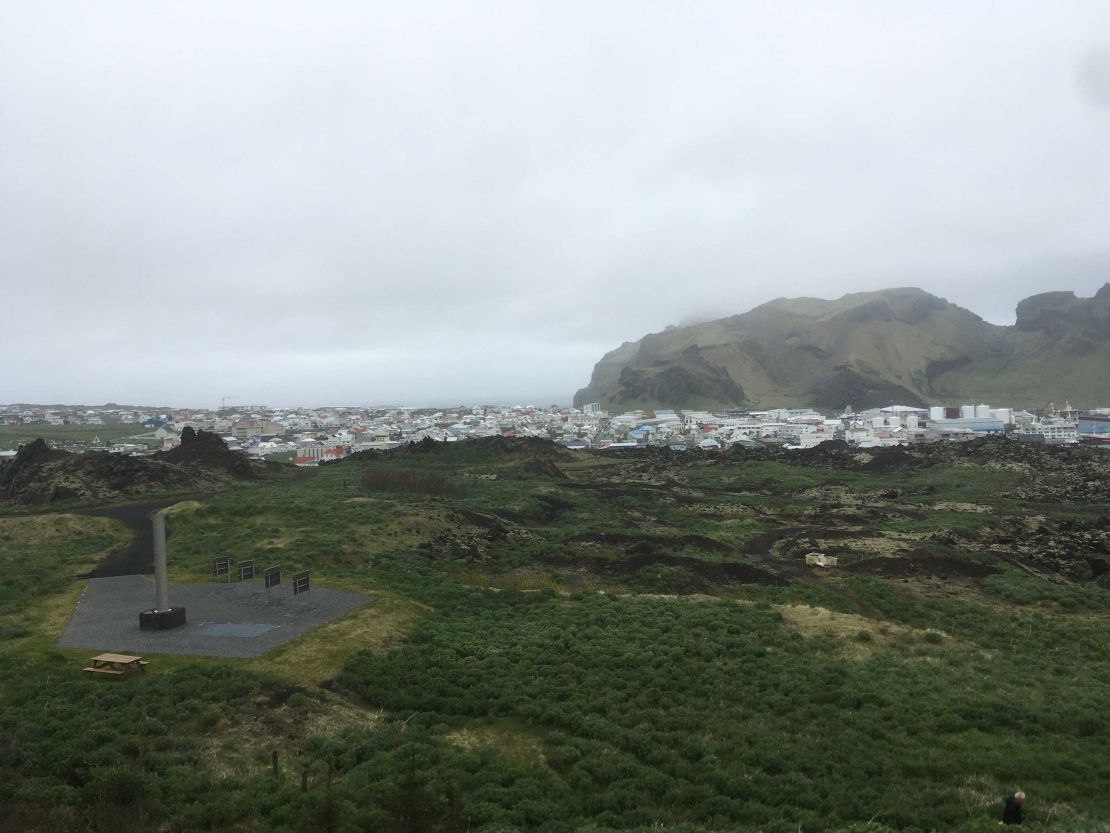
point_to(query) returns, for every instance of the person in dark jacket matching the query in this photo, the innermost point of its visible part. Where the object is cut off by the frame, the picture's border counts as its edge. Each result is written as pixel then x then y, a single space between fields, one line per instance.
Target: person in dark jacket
pixel 1011 812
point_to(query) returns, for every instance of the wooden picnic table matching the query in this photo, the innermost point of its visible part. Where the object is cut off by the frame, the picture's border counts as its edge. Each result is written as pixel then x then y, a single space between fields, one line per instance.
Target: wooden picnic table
pixel 116 664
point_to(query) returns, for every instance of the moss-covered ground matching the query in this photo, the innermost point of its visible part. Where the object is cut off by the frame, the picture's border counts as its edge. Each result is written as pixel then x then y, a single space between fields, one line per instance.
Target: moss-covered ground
pixel 618 644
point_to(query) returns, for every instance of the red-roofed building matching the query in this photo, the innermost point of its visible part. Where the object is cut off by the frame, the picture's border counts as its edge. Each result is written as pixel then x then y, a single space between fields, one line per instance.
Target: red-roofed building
pixel 314 455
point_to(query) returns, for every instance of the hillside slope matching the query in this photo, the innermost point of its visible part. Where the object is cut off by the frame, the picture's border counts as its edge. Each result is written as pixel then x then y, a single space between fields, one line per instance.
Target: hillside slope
pixel 619 641
pixel 866 349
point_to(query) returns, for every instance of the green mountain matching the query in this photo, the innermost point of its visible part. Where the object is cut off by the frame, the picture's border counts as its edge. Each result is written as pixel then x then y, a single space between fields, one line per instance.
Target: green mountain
pixel 866 349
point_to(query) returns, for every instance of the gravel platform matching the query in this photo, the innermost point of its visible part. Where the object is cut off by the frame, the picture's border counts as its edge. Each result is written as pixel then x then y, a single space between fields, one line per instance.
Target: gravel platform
pixel 224 620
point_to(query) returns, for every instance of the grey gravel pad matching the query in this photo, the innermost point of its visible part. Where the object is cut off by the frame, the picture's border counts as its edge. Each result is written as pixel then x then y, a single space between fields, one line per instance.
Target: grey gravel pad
pixel 246 629
pixel 224 620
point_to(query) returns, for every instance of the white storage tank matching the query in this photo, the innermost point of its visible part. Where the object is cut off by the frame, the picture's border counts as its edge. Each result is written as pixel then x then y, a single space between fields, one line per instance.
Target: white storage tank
pixel 983 412
pixel 936 413
pixel 967 412
pixel 911 421
pixel 1004 415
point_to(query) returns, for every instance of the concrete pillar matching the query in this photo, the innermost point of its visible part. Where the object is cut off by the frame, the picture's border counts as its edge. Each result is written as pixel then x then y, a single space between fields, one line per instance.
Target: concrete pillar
pixel 161 581
pixel 162 617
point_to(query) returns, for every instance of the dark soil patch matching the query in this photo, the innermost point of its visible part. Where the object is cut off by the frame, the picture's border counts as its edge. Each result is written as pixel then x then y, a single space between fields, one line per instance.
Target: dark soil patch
pixel 846 516
pixel 619 539
pixel 732 572
pixel 485 448
pixel 489 523
pixel 641 494
pixel 1099 567
pixel 277 696
pixel 643 544
pixel 855 527
pixel 633 488
pixel 509 516
pixel 922 566
pixel 762 543
pixel 832 533
pixel 891 460
pixel 551 508
pixel 538 467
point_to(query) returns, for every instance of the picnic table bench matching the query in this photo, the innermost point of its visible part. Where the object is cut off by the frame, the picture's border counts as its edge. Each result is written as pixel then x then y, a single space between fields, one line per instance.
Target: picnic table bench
pixel 116 665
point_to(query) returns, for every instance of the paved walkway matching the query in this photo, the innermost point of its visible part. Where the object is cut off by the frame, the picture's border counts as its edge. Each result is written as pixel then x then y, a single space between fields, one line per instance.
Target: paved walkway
pixel 224 620
pixel 137 555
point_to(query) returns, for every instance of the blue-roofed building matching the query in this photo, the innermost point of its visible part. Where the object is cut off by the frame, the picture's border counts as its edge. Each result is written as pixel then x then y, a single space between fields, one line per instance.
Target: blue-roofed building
pixel 1093 428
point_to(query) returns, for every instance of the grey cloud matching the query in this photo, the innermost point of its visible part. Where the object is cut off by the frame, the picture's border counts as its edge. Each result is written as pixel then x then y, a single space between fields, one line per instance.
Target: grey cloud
pixel 374 203
pixel 1093 77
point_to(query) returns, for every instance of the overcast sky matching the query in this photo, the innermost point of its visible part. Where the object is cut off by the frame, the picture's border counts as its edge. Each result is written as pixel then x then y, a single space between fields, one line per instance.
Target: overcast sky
pixel 435 203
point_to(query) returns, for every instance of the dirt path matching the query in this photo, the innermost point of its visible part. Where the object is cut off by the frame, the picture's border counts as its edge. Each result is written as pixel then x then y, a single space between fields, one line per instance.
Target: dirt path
pixel 136 557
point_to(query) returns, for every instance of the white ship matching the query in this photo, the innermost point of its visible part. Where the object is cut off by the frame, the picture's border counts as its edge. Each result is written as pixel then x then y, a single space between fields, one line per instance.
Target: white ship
pixel 1057 427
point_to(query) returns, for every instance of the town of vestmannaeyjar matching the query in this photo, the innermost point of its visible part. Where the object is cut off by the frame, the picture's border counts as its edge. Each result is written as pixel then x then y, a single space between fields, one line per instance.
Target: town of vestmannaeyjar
pixel 497 417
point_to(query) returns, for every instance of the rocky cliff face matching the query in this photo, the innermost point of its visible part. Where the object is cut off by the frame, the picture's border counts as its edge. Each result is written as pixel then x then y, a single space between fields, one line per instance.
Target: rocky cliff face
pixel 866 349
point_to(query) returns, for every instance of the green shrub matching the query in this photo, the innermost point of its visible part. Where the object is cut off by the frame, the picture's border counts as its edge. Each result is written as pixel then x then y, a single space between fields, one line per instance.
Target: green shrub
pixel 406 480
pixel 14 631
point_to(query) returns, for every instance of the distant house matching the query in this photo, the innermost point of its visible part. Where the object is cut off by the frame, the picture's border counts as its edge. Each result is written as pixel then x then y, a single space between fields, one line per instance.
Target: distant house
pixel 313 455
pixel 244 429
pixel 128 448
pixel 745 441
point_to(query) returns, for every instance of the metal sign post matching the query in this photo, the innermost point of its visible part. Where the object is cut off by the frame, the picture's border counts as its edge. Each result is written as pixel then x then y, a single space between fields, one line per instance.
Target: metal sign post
pixel 271 577
pixel 246 571
pixel 221 566
pixel 300 582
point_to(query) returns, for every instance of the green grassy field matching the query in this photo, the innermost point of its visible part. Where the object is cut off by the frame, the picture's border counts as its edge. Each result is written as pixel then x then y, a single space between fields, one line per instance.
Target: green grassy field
pixel 562 655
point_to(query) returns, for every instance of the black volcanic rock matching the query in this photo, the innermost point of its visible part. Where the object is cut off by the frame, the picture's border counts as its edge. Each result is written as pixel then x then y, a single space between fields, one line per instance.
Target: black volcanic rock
pixel 27 460
pixel 207 450
pixel 39 474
